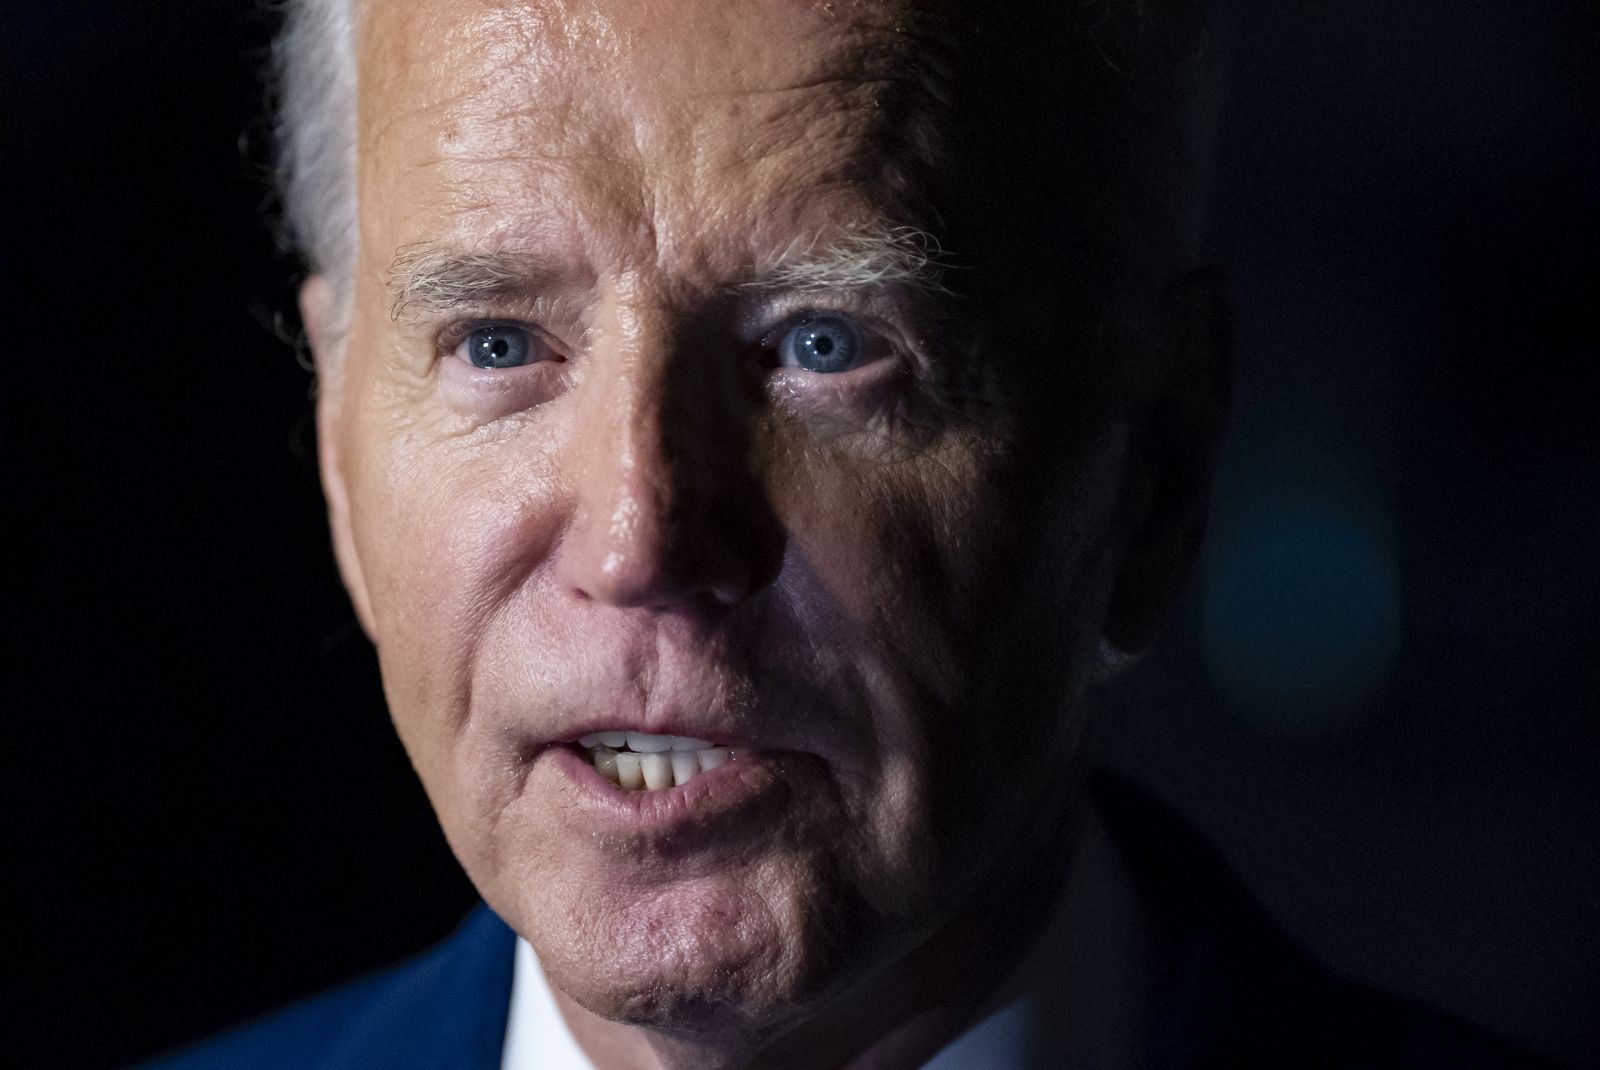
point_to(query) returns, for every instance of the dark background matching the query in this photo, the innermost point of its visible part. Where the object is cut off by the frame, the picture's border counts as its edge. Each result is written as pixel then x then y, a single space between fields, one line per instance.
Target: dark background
pixel 1380 701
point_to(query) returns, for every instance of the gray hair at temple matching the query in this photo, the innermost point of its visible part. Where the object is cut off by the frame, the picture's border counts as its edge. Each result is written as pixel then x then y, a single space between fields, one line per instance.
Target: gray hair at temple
pixel 314 64
pixel 1126 133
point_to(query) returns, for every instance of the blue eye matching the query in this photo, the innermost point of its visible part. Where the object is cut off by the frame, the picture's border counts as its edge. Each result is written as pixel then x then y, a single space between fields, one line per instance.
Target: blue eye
pixel 820 344
pixel 500 345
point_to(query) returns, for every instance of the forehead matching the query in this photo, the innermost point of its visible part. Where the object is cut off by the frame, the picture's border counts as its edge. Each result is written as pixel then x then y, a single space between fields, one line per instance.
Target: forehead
pixel 688 130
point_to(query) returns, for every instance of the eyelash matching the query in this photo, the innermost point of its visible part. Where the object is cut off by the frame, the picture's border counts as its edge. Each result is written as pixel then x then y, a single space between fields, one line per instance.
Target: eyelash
pixel 450 336
pixel 789 312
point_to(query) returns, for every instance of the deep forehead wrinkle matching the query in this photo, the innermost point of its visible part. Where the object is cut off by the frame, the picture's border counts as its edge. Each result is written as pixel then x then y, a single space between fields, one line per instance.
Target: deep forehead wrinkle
pixel 915 52
pixel 545 126
pixel 570 61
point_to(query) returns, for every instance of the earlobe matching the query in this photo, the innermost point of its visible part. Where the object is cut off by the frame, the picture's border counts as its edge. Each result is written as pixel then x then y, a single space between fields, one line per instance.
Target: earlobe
pixel 316 311
pixel 1176 454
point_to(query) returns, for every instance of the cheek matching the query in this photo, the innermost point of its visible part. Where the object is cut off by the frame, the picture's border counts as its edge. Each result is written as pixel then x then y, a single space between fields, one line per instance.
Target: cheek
pixel 882 574
pixel 971 586
pixel 448 527
pixel 482 396
pixel 894 551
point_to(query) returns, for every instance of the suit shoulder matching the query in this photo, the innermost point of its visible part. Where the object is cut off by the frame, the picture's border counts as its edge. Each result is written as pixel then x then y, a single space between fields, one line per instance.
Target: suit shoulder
pixel 451 999
pixel 289 1036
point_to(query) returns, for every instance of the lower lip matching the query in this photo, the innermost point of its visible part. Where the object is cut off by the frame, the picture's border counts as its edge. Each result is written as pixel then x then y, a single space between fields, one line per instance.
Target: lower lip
pixel 737 788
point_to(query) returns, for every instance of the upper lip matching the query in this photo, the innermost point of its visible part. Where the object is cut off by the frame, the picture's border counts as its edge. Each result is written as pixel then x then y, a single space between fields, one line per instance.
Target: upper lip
pixel 692 729
pixel 662 712
pixel 700 701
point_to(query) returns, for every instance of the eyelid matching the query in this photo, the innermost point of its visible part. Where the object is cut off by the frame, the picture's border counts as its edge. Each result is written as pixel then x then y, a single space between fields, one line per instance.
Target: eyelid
pixel 450 336
pixel 877 334
pixel 785 312
pixel 789 312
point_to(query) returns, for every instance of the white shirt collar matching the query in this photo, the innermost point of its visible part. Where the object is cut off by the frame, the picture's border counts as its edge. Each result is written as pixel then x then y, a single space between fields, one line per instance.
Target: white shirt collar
pixel 537 1037
pixel 1076 999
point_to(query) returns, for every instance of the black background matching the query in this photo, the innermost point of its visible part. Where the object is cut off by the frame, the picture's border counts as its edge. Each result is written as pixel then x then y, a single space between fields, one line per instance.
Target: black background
pixel 211 814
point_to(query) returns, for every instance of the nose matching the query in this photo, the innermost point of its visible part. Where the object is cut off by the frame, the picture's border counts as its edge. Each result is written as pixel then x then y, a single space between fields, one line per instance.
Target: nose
pixel 669 511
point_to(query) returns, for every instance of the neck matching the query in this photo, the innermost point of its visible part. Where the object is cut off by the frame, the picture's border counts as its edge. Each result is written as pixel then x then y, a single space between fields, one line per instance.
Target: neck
pixel 901 1015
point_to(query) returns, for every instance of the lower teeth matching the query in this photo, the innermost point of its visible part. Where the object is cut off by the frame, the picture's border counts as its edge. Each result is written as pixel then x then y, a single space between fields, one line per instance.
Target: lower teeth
pixel 651 772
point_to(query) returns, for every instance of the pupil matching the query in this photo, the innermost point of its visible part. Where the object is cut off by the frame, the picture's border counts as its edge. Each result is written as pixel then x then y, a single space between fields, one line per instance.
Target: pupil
pixel 498 347
pixel 823 345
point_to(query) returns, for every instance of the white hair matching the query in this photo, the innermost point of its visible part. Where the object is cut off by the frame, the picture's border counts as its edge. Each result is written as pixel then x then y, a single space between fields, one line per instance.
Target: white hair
pixel 314 61
pixel 855 259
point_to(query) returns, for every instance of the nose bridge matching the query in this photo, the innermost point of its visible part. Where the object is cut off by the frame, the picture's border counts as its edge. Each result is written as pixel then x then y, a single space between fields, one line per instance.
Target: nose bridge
pixel 637 467
pixel 657 471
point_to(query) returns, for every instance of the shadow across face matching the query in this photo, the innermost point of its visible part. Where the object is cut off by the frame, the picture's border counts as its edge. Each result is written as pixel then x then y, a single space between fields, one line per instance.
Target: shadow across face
pixel 764 377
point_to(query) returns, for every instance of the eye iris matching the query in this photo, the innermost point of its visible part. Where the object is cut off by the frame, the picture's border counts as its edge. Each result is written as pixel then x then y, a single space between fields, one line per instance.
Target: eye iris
pixel 824 344
pixel 499 346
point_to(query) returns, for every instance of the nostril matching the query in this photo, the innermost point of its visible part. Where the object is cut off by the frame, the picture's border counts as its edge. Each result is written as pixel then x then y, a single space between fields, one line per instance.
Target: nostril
pixel 732 586
pixel 660 576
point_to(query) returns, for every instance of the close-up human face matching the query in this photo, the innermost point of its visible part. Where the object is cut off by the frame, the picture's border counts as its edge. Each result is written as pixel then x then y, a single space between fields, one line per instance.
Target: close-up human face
pixel 655 414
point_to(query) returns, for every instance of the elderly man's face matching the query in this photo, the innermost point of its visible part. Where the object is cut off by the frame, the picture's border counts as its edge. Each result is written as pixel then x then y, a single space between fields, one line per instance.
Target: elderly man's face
pixel 649 420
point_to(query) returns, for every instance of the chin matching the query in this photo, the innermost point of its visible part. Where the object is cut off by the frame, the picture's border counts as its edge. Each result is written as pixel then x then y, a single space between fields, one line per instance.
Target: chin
pixel 738 952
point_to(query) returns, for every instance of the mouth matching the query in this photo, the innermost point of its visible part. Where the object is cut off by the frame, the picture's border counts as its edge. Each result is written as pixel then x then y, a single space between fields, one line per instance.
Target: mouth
pixel 641 761
pixel 681 794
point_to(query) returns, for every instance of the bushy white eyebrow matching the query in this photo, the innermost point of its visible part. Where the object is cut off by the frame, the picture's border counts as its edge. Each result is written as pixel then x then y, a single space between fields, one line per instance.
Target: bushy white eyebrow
pixel 428 278
pixel 903 257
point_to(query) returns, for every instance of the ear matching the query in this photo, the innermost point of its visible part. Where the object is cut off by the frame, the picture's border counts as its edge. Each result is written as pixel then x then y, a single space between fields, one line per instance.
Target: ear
pixel 1177 448
pixel 316 312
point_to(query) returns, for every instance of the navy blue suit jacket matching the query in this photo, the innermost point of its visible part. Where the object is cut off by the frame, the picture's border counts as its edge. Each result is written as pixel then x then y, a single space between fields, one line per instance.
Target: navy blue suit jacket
pixel 1234 990
pixel 444 1009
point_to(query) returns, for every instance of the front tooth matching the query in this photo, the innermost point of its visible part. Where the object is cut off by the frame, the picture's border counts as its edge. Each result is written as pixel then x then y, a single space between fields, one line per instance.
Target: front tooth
pixel 715 756
pixel 688 743
pixel 684 766
pixel 657 770
pixel 605 762
pixel 589 740
pixel 645 743
pixel 614 740
pixel 628 772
